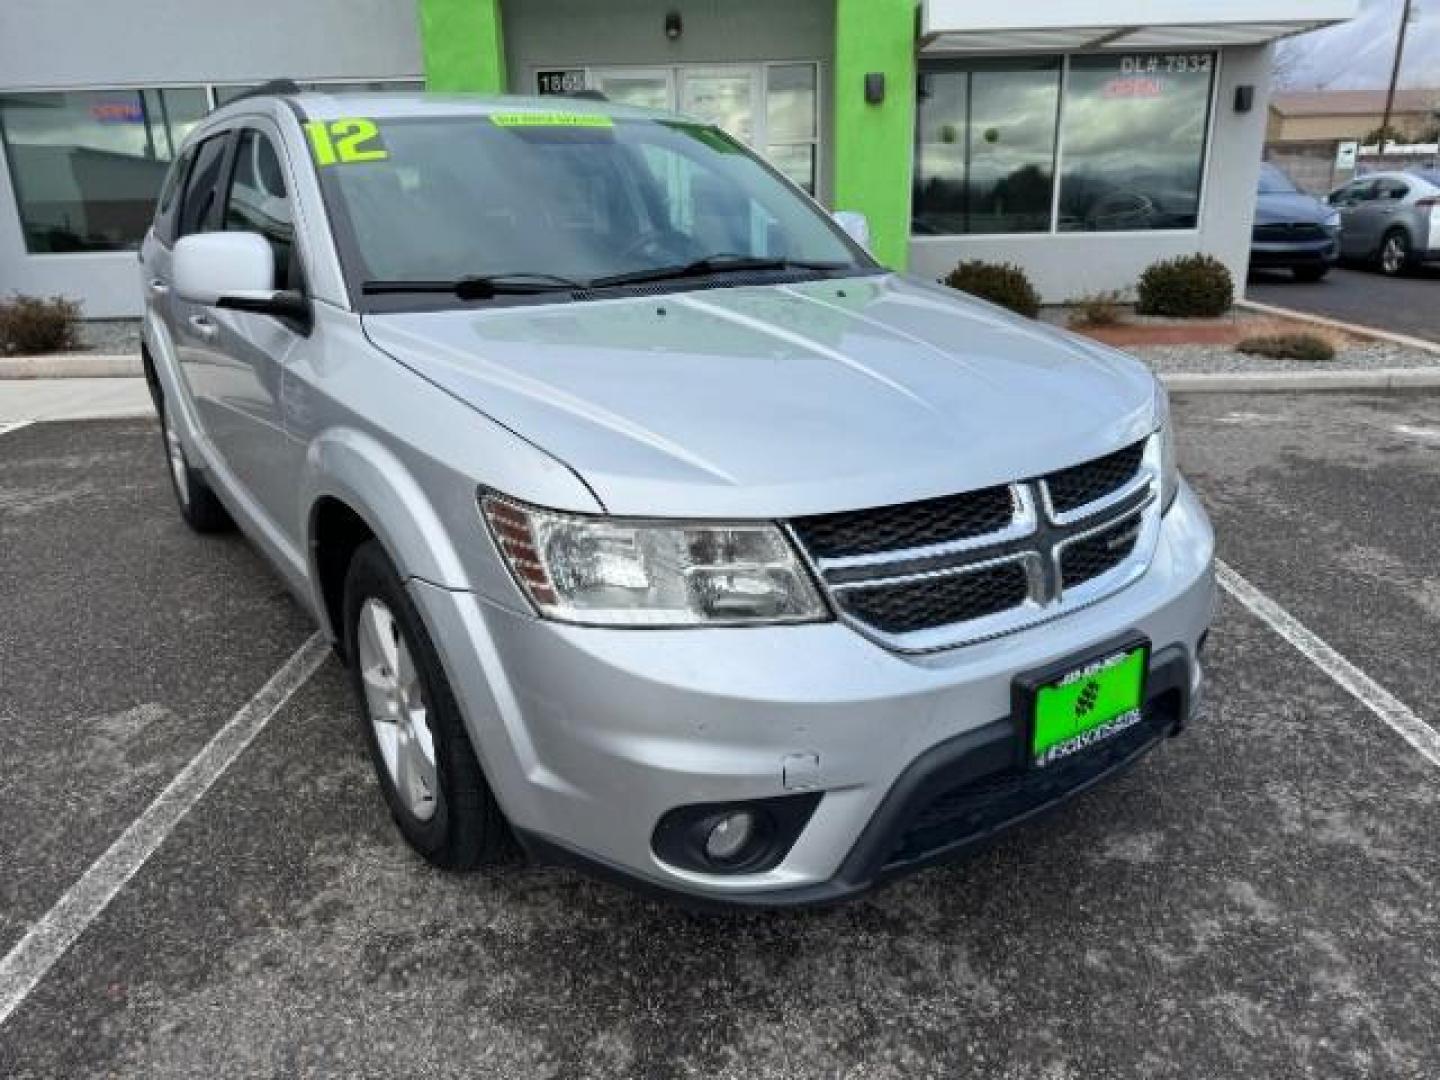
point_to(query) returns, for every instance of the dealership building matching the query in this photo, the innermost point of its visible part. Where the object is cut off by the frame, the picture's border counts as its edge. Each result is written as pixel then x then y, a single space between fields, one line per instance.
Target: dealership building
pixel 1082 139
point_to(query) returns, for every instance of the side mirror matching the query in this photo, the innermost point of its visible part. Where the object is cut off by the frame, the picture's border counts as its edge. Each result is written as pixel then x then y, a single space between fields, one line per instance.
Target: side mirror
pixel 856 226
pixel 234 270
pixel 209 266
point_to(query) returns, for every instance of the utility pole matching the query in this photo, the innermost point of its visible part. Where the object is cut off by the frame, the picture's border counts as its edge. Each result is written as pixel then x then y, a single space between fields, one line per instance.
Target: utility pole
pixel 1394 77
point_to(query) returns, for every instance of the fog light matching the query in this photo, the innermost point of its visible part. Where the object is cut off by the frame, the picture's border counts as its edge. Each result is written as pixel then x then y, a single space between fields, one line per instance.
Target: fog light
pixel 729 836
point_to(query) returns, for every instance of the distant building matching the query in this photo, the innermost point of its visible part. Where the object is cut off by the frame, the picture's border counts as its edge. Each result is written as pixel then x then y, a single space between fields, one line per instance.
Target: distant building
pixel 1305 129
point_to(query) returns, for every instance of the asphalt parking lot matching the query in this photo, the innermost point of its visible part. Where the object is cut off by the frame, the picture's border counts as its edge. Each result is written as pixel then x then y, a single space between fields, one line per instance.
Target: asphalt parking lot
pixel 1402 305
pixel 1257 899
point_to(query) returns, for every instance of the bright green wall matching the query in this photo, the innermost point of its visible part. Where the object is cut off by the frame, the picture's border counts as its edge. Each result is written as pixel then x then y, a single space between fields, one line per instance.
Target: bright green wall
pixel 874 143
pixel 464 45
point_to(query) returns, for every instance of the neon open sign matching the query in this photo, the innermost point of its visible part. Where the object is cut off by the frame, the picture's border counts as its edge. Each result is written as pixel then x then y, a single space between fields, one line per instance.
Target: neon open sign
pixel 118 112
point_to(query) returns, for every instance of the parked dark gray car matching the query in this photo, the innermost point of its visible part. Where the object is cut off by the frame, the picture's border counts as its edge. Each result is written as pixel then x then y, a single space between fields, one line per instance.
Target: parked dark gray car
pixel 1391 219
pixel 1293 231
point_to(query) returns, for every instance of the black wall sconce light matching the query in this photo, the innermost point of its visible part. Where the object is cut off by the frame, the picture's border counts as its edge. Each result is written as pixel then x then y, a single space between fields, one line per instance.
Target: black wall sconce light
pixel 674 25
pixel 874 88
pixel 1244 98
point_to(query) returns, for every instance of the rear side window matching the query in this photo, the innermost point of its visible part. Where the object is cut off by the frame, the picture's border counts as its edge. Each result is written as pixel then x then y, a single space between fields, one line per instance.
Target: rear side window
pixel 1393 189
pixel 168 204
pixel 198 209
pixel 258 202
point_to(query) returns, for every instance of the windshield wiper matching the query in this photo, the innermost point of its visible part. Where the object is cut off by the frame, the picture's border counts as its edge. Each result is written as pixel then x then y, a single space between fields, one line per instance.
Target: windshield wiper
pixel 720 263
pixel 478 287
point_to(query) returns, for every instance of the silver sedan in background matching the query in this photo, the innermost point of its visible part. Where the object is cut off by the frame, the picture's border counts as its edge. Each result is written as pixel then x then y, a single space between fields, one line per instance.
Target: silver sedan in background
pixel 1390 219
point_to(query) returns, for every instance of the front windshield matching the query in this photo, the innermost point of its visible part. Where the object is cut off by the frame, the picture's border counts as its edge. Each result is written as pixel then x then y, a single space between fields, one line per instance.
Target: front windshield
pixel 1275 182
pixel 572 197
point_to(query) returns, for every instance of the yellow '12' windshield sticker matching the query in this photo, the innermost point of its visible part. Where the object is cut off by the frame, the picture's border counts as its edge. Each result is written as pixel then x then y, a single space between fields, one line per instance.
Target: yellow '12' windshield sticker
pixel 345 142
pixel 551 119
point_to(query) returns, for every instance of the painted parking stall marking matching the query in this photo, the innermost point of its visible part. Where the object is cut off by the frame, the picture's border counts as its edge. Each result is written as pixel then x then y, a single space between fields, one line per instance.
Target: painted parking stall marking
pixel 53 934
pixel 16 425
pixel 1395 713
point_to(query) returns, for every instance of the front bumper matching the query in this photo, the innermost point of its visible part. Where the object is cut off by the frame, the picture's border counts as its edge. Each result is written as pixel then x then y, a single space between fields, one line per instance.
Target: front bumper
pixel 1294 253
pixel 589 736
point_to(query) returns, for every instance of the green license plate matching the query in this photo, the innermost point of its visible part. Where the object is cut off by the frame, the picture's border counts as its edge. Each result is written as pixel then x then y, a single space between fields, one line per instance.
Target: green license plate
pixel 1091 702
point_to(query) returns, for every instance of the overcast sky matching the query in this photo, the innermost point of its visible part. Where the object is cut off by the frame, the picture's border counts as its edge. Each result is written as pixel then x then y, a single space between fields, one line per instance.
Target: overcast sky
pixel 1358 54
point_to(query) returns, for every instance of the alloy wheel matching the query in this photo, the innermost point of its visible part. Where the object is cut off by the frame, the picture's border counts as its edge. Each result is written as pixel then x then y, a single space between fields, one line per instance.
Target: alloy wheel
pixel 1392 256
pixel 178 467
pixel 395 704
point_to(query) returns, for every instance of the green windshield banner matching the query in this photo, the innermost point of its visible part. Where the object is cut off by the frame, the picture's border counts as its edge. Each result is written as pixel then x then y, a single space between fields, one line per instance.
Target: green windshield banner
pixel 551 119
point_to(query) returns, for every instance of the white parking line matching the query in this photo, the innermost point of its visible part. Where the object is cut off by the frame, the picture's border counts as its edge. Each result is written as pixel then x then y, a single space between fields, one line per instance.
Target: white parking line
pixel 1414 432
pixel 14 426
pixel 49 939
pixel 1385 705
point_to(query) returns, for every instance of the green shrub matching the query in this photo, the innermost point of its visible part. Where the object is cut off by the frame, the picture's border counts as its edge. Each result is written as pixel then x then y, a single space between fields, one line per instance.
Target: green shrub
pixel 1098 309
pixel 1307 347
pixel 1190 287
pixel 30 325
pixel 1000 283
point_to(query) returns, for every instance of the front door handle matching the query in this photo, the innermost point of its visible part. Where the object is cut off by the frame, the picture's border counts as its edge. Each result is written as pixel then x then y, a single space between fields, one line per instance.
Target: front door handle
pixel 158 287
pixel 203 327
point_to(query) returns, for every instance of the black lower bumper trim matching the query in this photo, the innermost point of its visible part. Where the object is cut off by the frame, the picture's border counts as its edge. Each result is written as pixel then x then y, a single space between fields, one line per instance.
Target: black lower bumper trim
pixel 955 797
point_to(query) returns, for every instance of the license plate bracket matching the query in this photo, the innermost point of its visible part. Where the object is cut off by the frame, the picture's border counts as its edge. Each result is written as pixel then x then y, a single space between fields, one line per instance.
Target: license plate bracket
pixel 1082 700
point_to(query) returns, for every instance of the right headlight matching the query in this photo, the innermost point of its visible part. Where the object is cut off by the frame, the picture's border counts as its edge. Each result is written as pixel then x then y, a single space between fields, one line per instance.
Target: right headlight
pixel 626 572
pixel 1165 432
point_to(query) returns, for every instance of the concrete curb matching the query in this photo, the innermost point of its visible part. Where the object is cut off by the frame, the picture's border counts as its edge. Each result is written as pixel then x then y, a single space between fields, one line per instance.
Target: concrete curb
pixel 71 366
pixel 1381 380
pixel 1336 324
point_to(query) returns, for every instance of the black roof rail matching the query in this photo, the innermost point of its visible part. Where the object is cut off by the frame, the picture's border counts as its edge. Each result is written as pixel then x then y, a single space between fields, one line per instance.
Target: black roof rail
pixel 273 88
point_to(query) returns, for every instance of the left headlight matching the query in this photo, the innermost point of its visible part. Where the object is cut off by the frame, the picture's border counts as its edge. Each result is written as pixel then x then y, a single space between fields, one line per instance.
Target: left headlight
pixel 1332 220
pixel 624 572
pixel 1165 430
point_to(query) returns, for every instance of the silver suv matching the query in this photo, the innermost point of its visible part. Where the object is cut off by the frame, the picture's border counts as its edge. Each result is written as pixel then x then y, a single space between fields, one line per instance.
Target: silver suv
pixel 663 531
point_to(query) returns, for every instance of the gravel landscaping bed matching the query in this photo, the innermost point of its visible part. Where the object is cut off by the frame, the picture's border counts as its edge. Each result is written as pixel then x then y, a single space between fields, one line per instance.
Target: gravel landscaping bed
pixel 1216 359
pixel 116 337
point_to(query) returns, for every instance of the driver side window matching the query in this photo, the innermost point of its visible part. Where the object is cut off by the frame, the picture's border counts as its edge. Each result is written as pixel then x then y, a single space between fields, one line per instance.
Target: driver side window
pixel 258 202
pixel 1357 191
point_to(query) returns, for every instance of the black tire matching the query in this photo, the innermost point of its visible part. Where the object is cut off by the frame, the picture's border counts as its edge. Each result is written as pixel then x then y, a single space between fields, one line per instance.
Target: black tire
pixel 1393 265
pixel 466 828
pixel 1310 273
pixel 199 505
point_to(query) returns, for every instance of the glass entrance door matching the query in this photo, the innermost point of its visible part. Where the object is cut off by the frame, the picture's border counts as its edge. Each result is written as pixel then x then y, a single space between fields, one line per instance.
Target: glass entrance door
pixel 726 97
pixel 774 107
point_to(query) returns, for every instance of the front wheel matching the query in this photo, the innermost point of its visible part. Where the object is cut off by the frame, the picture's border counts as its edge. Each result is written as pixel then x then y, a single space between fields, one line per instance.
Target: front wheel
pixel 428 772
pixel 199 505
pixel 1394 253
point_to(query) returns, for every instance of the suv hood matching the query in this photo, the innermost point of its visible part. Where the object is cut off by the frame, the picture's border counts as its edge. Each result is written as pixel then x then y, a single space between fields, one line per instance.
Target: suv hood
pixel 1283 207
pixel 780 400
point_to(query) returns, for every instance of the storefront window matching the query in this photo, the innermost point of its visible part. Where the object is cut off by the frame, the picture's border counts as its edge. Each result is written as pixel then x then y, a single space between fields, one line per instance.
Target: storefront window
pixel 985 148
pixel 792 123
pixel 86 166
pixel 1131 143
pixel 1134 136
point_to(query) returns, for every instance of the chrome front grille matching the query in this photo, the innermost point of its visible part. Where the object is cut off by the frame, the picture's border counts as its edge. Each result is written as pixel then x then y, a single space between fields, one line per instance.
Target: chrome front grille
pixel 909 525
pixel 1287 231
pixel 942 572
